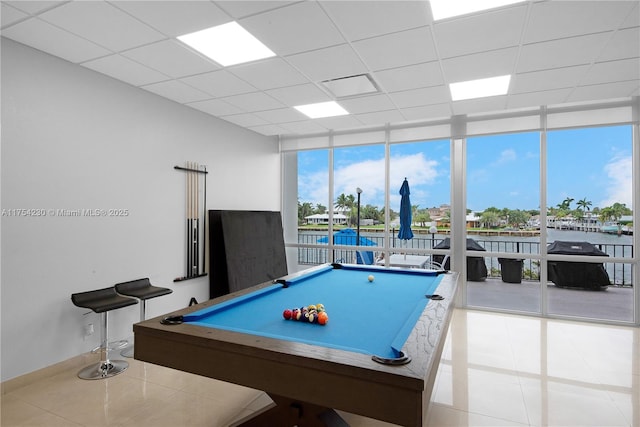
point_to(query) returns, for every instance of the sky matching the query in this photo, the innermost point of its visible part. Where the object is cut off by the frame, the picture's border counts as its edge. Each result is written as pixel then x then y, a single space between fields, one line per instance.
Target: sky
pixel 502 170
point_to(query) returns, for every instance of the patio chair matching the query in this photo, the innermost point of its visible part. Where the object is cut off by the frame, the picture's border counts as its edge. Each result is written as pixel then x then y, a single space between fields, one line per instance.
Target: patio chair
pixel 437 266
pixel 364 257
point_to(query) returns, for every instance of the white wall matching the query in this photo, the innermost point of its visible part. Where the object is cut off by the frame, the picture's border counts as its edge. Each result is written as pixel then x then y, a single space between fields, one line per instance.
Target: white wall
pixel 76 139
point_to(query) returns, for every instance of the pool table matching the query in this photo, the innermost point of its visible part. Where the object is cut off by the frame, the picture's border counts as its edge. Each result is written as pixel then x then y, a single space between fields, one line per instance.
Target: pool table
pixel 377 355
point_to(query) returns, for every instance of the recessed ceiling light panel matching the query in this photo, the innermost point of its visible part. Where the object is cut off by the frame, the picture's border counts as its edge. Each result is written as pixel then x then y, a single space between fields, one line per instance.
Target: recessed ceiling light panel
pixel 227 44
pixel 322 109
pixel 350 86
pixel 442 9
pixel 480 88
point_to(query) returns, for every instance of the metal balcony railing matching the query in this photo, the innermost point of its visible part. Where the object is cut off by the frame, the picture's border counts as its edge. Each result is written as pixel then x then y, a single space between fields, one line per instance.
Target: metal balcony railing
pixel 620 274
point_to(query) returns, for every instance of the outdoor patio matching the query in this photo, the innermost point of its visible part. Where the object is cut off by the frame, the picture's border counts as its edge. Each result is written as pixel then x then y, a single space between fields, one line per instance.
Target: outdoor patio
pixel 614 303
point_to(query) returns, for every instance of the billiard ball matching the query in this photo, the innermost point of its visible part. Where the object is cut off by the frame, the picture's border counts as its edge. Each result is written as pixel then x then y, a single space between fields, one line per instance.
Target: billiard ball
pixel 370 277
pixel 312 317
pixel 296 314
pixel 287 314
pixel 320 307
pixel 312 308
pixel 323 318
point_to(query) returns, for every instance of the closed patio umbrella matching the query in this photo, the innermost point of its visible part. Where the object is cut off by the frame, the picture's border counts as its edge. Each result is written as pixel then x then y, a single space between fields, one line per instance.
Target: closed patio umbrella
pixel 405 232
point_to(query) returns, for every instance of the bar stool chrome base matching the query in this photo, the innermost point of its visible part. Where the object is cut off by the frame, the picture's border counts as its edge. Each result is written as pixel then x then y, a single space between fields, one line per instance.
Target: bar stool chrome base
pixel 103 369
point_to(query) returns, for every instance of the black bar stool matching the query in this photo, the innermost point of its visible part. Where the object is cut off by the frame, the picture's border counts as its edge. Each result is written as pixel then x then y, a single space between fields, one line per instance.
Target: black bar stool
pixel 102 301
pixel 143 290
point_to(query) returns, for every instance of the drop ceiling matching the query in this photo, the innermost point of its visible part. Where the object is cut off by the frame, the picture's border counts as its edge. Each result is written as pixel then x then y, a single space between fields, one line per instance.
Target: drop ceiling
pixel 558 52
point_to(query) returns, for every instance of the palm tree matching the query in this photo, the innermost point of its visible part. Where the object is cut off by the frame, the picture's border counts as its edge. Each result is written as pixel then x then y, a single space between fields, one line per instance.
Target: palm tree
pixel 613 213
pixel 566 203
pixel 341 202
pixel 583 205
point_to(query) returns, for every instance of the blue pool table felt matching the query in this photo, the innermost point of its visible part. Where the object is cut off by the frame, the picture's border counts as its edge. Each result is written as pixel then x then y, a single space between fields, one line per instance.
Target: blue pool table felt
pixel 366 317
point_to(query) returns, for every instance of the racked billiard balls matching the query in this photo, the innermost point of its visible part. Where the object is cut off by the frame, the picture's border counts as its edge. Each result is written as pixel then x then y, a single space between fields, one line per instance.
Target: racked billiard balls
pixel 323 318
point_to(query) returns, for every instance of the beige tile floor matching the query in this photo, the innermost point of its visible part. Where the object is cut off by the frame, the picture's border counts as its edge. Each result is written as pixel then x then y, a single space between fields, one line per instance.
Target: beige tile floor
pixel 496 370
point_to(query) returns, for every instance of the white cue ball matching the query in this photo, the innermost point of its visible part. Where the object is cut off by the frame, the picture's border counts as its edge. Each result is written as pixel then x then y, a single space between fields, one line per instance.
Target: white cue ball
pixel 370 277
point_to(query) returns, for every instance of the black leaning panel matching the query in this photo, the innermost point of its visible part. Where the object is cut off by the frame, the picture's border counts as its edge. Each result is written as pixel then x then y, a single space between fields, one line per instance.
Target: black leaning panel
pixel 245 248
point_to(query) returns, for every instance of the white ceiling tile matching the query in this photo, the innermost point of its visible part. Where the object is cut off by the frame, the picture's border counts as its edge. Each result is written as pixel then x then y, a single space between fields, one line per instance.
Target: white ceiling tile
pixel 381 117
pixel 268 130
pixel 9 15
pixel 124 69
pixel 103 24
pixel 367 104
pixel 340 122
pixel 427 112
pixel 240 9
pixel 245 119
pixel 480 105
pixel 423 96
pixel 480 65
pixel 613 71
pixel 268 74
pixel 281 115
pixel 410 77
pixel 171 58
pixel 479 33
pixel 538 98
pixel 175 18
pixel 176 91
pixel 47 38
pixel 34 7
pixel 633 19
pixel 255 101
pixel 219 83
pixel 604 91
pixel 299 95
pixel 560 19
pixel 561 53
pixel 217 107
pixel 328 63
pixel 397 50
pixel 308 126
pixel 547 79
pixel 359 20
pixel 623 44
pixel 293 29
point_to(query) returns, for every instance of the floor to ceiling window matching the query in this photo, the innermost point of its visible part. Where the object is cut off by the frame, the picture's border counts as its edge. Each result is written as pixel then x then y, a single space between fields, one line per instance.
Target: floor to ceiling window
pixel 313 206
pixel 503 205
pixel 589 192
pixel 427 168
pixel 359 197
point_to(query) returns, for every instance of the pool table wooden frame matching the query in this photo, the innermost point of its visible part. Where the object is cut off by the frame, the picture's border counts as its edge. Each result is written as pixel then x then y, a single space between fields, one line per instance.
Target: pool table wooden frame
pixel 310 375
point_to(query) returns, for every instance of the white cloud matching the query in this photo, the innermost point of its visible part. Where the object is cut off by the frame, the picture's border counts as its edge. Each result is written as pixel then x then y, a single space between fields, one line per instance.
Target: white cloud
pixel 618 187
pixel 369 176
pixel 506 156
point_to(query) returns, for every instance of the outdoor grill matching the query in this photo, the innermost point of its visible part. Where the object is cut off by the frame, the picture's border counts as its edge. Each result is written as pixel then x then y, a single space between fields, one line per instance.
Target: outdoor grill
pixel 584 275
pixel 476 268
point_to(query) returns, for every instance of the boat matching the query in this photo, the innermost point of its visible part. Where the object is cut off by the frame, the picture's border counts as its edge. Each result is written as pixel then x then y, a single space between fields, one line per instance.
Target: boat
pixel 610 228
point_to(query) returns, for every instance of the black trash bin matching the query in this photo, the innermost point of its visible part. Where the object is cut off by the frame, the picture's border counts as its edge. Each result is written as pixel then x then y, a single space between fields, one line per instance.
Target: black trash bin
pixel 511 270
pixel 584 275
pixel 476 268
